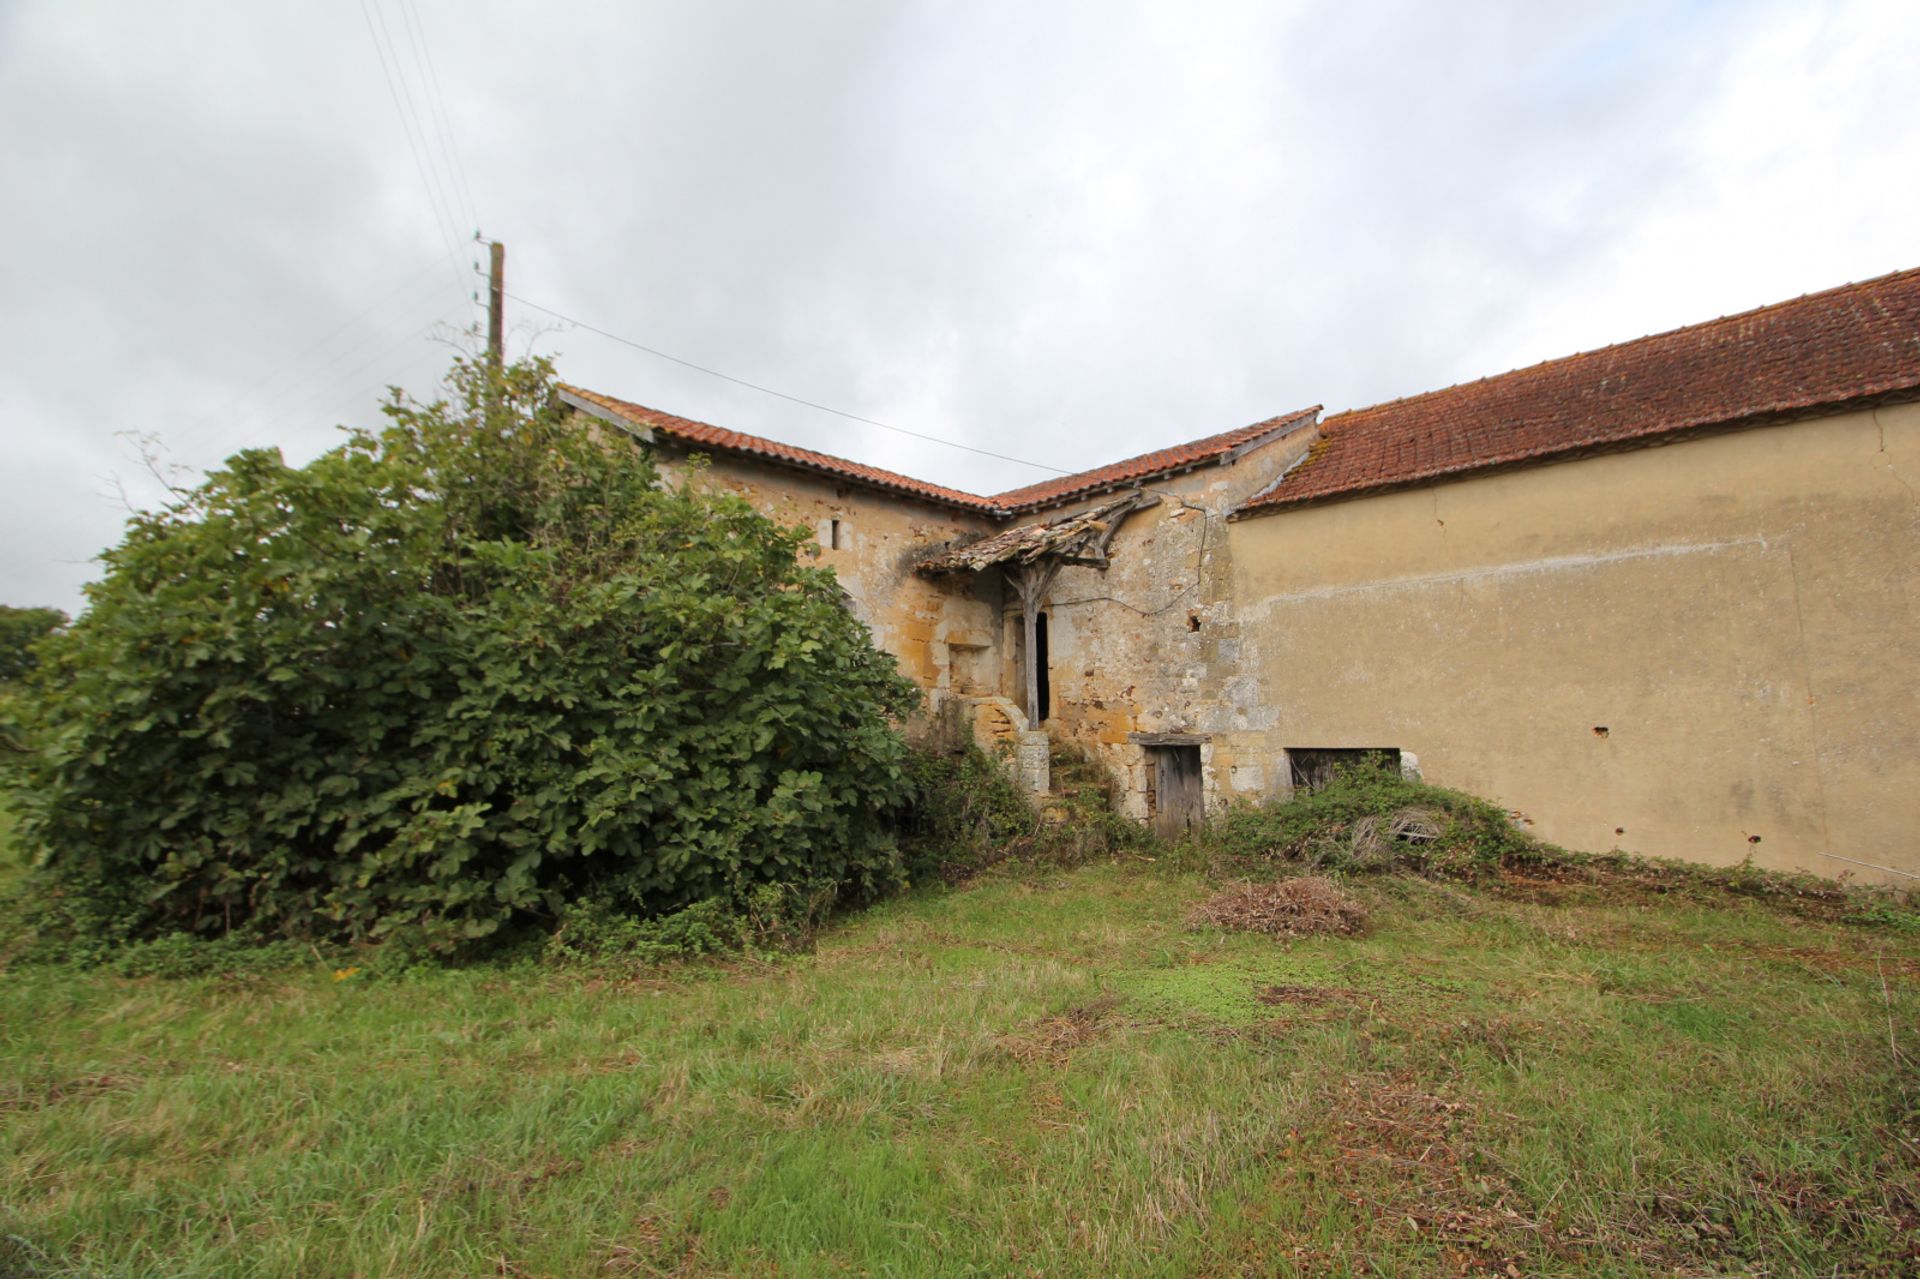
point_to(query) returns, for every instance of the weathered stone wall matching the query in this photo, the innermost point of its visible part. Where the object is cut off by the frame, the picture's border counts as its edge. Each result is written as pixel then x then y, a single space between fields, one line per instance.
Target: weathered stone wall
pixel 1705 650
pixel 945 634
pixel 1154 644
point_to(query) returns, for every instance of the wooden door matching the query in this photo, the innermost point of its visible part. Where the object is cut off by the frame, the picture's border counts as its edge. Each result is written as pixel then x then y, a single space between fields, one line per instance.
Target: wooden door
pixel 1179 797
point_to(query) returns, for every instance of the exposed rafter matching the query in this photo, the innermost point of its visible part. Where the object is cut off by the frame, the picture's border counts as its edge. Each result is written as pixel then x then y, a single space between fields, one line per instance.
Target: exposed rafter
pixel 1032 555
pixel 1081 538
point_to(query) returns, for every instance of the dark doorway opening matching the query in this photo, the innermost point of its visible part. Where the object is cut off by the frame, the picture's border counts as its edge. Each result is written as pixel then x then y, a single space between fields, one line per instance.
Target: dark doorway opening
pixel 1314 766
pixel 1178 798
pixel 1044 694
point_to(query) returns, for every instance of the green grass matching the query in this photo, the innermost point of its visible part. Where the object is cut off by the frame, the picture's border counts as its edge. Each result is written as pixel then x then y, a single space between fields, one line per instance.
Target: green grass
pixel 1043 1076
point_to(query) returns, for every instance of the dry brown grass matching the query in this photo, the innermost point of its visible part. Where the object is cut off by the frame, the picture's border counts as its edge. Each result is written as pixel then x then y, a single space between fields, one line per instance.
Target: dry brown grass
pixel 1311 906
pixel 1054 1040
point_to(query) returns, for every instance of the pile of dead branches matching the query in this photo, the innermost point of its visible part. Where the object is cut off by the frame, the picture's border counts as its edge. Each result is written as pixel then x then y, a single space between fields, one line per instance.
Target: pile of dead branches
pixel 1310 906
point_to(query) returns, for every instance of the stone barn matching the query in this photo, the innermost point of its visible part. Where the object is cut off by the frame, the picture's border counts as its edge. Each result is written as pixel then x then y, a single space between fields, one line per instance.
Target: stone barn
pixel 1661 596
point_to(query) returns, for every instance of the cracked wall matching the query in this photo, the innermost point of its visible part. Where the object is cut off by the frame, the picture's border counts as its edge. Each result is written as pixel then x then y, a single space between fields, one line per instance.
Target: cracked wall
pixel 1153 643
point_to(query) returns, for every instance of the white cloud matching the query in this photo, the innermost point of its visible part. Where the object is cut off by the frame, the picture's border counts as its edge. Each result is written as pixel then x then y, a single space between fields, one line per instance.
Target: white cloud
pixel 1066 231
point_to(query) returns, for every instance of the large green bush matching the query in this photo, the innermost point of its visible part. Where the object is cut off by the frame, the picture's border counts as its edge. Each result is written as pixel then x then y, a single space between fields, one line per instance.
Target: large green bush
pixel 450 675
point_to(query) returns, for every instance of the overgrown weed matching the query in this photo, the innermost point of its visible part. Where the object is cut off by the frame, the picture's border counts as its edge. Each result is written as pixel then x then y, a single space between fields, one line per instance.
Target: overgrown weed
pixel 765 919
pixel 1369 819
pixel 968 815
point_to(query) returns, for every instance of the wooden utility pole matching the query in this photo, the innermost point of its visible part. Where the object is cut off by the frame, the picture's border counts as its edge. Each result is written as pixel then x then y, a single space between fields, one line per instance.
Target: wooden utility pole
pixel 496 298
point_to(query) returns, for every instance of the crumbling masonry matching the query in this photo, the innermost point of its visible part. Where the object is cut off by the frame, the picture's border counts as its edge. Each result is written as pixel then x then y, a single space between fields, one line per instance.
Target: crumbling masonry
pixel 1660 596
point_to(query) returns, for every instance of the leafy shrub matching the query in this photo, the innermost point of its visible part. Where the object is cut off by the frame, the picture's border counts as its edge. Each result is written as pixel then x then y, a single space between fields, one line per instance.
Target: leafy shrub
pixel 771 918
pixel 21 632
pixel 1088 825
pixel 183 955
pixel 1370 817
pixel 596 928
pixel 83 920
pixel 967 813
pixel 1889 909
pixel 450 676
pixel 962 812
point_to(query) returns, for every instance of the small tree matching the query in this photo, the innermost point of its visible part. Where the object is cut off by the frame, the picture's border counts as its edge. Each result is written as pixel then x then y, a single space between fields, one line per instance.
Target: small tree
pixel 449 674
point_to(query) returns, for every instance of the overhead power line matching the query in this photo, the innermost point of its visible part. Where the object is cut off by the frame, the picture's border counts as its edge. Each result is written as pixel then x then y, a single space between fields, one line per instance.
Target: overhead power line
pixel 437 100
pixel 767 390
pixel 445 219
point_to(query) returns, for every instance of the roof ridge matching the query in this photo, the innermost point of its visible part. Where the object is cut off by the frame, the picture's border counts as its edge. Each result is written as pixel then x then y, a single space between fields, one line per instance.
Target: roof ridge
pixel 1625 343
pixel 1819 352
pixel 1066 484
pixel 861 471
pixel 1055 491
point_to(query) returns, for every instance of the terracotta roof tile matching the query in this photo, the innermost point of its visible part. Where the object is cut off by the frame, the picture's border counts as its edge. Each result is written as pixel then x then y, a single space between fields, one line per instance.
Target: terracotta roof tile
pixel 1032 497
pixel 1159 462
pixel 690 432
pixel 1822 351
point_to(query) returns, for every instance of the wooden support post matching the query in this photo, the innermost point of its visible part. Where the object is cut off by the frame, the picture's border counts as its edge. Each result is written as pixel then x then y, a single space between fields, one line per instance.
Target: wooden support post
pixel 1032 581
pixel 1030 650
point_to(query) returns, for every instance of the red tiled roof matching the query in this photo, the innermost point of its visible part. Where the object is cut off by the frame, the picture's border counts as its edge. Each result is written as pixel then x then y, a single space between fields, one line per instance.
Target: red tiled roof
pixel 699 434
pixel 1159 462
pixel 1032 497
pixel 1820 352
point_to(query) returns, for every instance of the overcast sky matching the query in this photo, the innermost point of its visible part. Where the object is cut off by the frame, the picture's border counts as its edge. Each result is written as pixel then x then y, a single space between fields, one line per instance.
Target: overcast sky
pixel 1063 232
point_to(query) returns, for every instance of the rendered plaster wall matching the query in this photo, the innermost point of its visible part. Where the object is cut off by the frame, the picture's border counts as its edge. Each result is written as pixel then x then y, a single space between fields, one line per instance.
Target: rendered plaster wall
pixel 945 633
pixel 1705 650
pixel 1153 643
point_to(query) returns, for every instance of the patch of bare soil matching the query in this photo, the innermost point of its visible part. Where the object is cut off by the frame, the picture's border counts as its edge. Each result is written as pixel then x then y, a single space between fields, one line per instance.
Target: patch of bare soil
pixel 1310 906
pixel 1407 1154
pixel 1407 1160
pixel 1054 1040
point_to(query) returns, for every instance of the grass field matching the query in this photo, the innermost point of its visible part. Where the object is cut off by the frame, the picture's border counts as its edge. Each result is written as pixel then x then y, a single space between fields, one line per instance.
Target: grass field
pixel 1046 1076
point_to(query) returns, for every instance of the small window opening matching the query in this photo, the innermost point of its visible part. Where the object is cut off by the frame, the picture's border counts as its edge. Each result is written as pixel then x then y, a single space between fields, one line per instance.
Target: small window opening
pixel 1045 690
pixel 1314 766
pixel 833 534
pixel 1599 730
pixel 1193 621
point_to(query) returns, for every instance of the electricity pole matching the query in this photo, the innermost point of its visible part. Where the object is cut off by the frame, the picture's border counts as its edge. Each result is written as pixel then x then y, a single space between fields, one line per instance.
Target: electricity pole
pixel 496 296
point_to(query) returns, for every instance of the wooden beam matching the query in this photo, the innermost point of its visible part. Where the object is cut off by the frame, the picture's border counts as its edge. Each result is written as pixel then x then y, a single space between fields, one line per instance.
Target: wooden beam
pixel 1032 581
